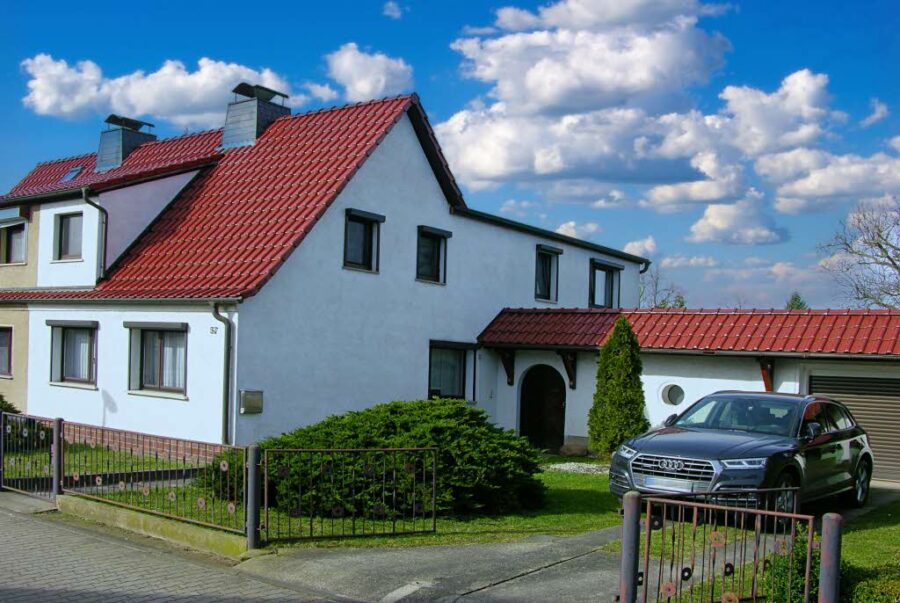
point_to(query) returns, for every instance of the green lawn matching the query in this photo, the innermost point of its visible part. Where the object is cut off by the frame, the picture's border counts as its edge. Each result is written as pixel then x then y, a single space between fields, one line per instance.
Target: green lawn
pixel 82 459
pixel 873 540
pixel 576 503
pixel 558 459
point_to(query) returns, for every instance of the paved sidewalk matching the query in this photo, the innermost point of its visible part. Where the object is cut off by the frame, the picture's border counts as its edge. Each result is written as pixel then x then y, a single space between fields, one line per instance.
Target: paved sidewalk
pixel 537 569
pixel 45 559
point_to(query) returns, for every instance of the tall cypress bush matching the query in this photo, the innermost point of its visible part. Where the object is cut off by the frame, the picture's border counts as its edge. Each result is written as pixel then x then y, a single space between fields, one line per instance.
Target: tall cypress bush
pixel 618 410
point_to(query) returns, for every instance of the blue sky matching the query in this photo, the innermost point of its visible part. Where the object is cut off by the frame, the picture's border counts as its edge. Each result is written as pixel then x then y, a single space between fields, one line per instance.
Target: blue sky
pixel 723 141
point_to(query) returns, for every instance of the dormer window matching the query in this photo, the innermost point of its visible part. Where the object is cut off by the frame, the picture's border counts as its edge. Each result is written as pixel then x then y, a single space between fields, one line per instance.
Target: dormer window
pixel 68 237
pixel 70 175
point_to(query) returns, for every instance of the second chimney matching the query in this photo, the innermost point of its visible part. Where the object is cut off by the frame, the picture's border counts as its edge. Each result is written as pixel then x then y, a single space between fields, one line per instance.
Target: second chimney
pixel 248 117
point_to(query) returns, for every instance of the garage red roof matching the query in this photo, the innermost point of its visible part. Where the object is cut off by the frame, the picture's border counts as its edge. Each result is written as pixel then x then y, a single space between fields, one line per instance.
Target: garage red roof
pixel 238 221
pixel 866 332
pixel 148 160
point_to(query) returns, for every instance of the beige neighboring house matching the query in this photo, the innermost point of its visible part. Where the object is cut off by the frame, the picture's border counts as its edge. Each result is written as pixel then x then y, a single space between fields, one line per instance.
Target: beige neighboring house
pixel 18 270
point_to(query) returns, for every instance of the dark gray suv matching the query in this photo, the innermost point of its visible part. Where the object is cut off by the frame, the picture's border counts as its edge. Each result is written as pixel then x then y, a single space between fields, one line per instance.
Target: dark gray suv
pixel 745 440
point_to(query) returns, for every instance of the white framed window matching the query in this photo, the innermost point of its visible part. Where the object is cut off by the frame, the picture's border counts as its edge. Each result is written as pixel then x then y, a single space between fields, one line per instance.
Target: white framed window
pixel 604 285
pixel 73 356
pixel 158 357
pixel 68 236
pixel 431 254
pixel 6 334
pixel 447 371
pixel 12 243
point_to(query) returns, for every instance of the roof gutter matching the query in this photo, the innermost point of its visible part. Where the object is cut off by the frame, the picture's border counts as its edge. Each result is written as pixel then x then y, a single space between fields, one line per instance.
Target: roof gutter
pixel 226 375
pixel 104 218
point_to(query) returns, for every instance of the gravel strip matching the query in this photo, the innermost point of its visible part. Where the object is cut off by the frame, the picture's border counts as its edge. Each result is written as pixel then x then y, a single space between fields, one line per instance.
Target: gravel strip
pixel 590 468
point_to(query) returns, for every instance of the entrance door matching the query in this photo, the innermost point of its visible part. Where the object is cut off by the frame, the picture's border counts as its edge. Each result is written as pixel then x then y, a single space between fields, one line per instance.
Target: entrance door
pixel 543 407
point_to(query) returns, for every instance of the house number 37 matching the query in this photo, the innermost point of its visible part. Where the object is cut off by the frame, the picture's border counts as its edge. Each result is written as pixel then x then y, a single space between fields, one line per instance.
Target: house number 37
pixel 213 330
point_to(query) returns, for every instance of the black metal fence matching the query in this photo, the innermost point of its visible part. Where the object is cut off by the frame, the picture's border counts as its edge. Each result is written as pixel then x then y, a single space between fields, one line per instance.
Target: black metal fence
pixel 196 482
pixel 325 493
pixel 26 457
pixel 728 547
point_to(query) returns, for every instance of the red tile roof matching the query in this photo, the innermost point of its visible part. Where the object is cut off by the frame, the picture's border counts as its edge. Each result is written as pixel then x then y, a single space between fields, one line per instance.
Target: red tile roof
pixel 866 332
pixel 148 160
pixel 231 229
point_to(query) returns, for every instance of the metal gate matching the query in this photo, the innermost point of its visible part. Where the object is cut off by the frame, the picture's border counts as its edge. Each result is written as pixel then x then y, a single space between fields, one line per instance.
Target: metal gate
pixel 723 548
pixel 339 493
pixel 26 445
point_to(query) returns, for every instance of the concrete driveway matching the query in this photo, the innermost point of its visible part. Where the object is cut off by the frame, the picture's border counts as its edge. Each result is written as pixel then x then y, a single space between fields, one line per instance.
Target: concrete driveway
pixel 536 569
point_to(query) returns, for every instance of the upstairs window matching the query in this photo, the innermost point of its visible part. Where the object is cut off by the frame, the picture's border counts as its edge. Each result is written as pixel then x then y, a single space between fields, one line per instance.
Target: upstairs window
pixel 6 351
pixel 431 254
pixel 604 285
pixel 68 237
pixel 546 273
pixel 361 240
pixel 12 243
pixel 447 372
pixel 73 351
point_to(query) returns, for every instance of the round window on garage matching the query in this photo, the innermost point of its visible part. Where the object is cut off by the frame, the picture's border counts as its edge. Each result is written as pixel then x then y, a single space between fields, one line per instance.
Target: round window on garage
pixel 673 394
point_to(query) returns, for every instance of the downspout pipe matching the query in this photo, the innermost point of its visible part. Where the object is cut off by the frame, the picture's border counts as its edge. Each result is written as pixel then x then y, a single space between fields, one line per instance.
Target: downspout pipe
pixel 226 375
pixel 104 218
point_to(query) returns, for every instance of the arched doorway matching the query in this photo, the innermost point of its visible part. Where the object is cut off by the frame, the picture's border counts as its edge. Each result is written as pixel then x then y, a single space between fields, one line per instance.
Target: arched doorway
pixel 543 407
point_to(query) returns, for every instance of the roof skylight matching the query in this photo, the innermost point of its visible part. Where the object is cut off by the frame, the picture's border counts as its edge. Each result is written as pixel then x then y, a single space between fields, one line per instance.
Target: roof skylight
pixel 71 174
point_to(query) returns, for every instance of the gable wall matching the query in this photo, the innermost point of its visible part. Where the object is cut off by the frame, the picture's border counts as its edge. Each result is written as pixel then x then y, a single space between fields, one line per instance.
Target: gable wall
pixel 319 339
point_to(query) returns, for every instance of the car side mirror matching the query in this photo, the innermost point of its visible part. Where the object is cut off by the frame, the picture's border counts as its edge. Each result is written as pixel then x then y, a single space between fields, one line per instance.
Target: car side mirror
pixel 670 420
pixel 812 430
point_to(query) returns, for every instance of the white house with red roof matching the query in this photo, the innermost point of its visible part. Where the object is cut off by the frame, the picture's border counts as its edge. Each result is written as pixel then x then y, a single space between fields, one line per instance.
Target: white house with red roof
pixel 233 284
pixel 229 285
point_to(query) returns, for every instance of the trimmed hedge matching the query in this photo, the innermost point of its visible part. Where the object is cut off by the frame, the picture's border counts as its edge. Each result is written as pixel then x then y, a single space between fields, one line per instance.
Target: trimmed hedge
pixel 870 585
pixel 480 467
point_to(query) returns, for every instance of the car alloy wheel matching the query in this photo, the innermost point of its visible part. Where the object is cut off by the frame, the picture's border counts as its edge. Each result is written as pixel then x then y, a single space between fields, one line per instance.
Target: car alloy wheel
pixel 862 483
pixel 784 499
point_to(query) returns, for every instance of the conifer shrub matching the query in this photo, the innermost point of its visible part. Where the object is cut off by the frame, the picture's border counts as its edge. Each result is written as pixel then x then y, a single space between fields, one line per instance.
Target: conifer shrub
pixel 618 410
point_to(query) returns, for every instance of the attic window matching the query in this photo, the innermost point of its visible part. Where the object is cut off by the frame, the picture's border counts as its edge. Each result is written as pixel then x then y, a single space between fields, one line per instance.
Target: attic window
pixel 70 175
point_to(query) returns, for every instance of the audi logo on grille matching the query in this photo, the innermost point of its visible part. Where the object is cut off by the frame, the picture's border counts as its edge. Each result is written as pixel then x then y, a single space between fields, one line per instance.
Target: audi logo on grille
pixel 671 464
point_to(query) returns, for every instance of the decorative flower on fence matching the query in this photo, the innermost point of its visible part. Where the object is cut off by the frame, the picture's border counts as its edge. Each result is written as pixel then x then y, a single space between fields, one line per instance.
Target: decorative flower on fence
pixel 410 467
pixel 145 490
pixel 121 486
pixel 9 429
pixel 42 435
pixel 24 432
pixel 76 477
pixel 12 461
pixel 337 511
pixel 717 539
pixel 730 597
pixel 98 480
pixel 46 469
pixel 729 569
pixel 201 503
pixel 686 574
pixel 667 590
pixel 172 496
pixel 231 508
pixel 223 466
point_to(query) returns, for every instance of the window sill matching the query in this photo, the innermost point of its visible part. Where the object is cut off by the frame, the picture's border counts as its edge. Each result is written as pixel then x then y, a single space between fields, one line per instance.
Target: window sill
pixel 428 282
pixel 5 264
pixel 546 301
pixel 74 385
pixel 67 261
pixel 147 393
pixel 363 270
pixel 9 377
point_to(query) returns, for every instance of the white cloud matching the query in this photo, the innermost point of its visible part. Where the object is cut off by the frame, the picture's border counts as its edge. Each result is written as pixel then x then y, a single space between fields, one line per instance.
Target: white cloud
pixel 789 117
pixel 642 247
pixel 366 75
pixel 879 112
pixel 517 208
pixel 694 261
pixel 392 10
pixel 581 231
pixel 895 143
pixel 724 181
pixel 172 93
pixel 739 223
pixel 322 92
pixel 615 198
pixel 577 14
pixel 788 165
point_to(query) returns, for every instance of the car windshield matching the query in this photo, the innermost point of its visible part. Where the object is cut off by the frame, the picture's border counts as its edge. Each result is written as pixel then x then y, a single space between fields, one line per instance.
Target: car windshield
pixel 742 413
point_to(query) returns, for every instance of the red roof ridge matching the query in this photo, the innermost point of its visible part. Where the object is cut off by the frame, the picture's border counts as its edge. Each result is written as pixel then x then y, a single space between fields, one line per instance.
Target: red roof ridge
pixel 61 159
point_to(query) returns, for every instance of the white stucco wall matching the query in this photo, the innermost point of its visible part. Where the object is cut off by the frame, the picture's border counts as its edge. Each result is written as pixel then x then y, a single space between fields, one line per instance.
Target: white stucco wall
pixel 68 273
pixel 197 415
pixel 320 339
pixel 131 209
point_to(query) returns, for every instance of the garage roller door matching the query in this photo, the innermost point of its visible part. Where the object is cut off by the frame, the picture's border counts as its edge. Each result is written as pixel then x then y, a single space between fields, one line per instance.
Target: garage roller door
pixel 875 404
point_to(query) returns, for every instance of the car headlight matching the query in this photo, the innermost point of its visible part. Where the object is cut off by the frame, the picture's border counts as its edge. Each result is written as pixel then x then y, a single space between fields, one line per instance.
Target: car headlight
pixel 625 452
pixel 758 463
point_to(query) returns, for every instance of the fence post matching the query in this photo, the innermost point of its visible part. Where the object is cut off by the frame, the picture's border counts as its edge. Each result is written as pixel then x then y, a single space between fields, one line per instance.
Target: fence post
pixel 2 447
pixel 252 514
pixel 830 569
pixel 56 457
pixel 631 530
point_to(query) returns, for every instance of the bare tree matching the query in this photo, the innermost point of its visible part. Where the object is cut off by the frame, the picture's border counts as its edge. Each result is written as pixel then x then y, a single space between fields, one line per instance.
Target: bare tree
pixel 865 254
pixel 657 292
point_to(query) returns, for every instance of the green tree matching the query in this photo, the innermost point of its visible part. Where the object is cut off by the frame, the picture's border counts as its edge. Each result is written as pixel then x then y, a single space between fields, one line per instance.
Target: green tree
pixel 7 406
pixel 795 302
pixel 618 410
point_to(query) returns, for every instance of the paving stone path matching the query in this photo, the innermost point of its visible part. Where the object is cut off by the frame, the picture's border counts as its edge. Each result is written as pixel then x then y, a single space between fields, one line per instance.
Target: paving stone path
pixel 44 559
